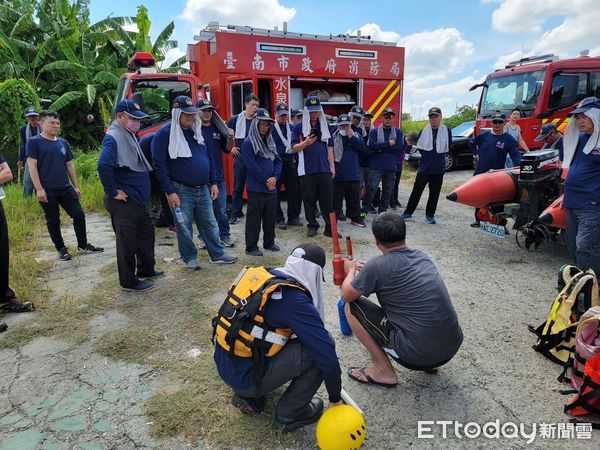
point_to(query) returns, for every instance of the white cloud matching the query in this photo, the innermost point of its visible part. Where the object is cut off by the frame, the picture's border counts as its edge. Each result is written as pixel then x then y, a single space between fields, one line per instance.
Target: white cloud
pixel 503 60
pixel 173 55
pixel 256 13
pixel 516 16
pixel 576 33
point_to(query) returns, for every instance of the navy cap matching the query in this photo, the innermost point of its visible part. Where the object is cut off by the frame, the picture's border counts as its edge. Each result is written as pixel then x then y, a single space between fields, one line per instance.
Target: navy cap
pixel 185 104
pixel 585 104
pixel 131 109
pixel 368 114
pixel 388 111
pixel 263 114
pixel 498 116
pixel 357 111
pixel 281 109
pixel 343 119
pixel 313 104
pixel 545 131
pixel 435 111
pixel 295 112
pixel 203 104
pixel 30 111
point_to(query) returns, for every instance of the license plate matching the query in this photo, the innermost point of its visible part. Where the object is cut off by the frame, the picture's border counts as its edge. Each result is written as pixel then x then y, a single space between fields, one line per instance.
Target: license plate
pixel 493 229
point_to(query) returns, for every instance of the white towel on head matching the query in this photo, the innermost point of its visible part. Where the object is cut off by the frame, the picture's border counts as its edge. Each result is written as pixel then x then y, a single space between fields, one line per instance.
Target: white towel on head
pixel 240 126
pixel 441 142
pixel 572 137
pixel 284 139
pixel 325 134
pixel 178 146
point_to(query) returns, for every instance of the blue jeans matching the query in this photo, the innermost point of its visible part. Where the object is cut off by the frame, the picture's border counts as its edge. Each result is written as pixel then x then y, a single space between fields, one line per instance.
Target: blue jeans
pixel 583 229
pixel 27 183
pixel 239 182
pixel 196 206
pixel 220 210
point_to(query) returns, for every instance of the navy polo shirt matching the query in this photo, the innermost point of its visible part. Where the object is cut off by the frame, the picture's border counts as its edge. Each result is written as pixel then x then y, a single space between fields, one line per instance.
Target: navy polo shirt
pixel 135 184
pixel 197 170
pixel 2 160
pixel 52 158
pixel 432 162
pixel 582 186
pixel 492 150
pixel 216 143
pixel 231 124
pixel 383 156
pixel 286 130
pixel 22 150
pixel 313 159
pixel 348 169
pixel 259 169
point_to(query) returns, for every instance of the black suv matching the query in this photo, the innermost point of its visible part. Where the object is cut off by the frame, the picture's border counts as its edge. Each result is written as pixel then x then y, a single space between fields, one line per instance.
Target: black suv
pixel 460 155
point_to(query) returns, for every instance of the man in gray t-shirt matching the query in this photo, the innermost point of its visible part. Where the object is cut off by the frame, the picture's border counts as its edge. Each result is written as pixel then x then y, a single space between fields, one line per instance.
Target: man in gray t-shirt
pixel 416 324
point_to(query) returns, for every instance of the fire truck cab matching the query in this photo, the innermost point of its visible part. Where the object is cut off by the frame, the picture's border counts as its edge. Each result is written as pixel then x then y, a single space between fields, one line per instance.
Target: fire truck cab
pixel 230 62
pixel 544 88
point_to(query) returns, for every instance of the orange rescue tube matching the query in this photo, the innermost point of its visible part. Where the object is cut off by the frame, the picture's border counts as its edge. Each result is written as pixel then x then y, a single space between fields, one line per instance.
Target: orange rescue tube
pixel 499 186
pixel 555 215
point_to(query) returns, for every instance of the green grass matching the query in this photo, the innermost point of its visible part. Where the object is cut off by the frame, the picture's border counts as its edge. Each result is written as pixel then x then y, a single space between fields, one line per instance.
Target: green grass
pixel 414 125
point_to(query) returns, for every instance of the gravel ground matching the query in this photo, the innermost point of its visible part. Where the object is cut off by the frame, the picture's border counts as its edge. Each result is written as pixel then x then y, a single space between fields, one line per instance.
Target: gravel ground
pixel 497 290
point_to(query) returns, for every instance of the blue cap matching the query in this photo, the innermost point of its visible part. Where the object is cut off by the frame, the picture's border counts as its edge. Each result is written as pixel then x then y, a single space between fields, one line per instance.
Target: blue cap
pixel 263 114
pixel 281 109
pixel 344 119
pixel 295 112
pixel 585 104
pixel 185 104
pixel 313 104
pixel 546 130
pixel 435 111
pixel 131 109
pixel 30 111
pixel 498 116
pixel 368 114
pixel 357 111
pixel 203 104
pixel 388 111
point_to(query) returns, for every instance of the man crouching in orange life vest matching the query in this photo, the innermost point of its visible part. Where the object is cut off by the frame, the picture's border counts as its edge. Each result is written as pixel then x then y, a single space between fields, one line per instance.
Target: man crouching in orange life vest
pixel 416 324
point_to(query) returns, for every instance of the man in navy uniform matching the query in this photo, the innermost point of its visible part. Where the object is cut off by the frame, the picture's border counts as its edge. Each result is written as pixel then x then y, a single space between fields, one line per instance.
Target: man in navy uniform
pixel 27 132
pixel 282 133
pixel 552 139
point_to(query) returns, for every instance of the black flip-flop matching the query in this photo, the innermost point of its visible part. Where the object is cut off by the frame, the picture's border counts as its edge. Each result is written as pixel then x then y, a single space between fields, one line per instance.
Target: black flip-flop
pixel 369 380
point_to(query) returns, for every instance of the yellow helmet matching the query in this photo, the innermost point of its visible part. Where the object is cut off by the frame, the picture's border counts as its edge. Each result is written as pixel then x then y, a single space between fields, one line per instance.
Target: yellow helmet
pixel 341 428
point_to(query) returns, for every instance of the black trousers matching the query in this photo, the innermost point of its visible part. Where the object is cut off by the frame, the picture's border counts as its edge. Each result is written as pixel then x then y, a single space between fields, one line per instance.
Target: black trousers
pixel 135 239
pixel 387 186
pixel 261 209
pixel 435 186
pixel 166 217
pixel 350 191
pixel 6 293
pixel 293 364
pixel 317 187
pixel 289 179
pixel 394 200
pixel 67 198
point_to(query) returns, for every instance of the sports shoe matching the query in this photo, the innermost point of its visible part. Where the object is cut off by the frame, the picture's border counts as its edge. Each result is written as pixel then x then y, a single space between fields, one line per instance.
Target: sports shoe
pixel 363 215
pixel 372 210
pixel 328 233
pixel 227 242
pixel 341 217
pixel 233 220
pixel 63 254
pixel 249 405
pixel 311 232
pixel 192 265
pixel 225 258
pixel 474 225
pixel 407 217
pixel 430 219
pixel 359 223
pixel 89 248
pixel 154 274
pixel 273 248
pixel 294 222
pixel 281 225
pixel 140 286
pixel 313 411
pixel 255 252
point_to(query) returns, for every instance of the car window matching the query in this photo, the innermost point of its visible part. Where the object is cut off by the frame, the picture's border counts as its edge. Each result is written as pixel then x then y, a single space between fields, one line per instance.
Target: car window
pixel 465 129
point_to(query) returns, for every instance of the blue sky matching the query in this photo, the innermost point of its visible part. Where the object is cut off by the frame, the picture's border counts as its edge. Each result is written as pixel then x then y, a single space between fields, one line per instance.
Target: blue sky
pixel 449 45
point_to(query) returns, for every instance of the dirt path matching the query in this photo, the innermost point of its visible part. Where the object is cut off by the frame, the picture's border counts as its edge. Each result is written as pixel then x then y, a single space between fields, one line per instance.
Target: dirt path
pixel 54 394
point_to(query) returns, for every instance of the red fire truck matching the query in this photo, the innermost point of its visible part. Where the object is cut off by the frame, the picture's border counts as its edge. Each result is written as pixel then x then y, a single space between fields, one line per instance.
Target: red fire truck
pixel 229 62
pixel 545 88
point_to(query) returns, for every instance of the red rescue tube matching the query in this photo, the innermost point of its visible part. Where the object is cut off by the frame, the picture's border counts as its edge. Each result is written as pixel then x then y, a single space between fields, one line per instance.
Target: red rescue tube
pixel 499 186
pixel 555 215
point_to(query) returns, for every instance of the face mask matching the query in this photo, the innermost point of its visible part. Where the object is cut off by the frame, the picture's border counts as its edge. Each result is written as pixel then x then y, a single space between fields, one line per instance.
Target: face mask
pixel 133 126
pixel 343 132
